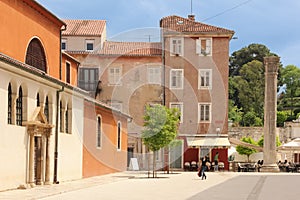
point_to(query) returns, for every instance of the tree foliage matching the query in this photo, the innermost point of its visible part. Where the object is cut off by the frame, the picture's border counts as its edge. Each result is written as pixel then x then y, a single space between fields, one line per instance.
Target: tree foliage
pixel 242 150
pixel 261 141
pixel 291 79
pixel 246 55
pixel 160 128
pixel 247 84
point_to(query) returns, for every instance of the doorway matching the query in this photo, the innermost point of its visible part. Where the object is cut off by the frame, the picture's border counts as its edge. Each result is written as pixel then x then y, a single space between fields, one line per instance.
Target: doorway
pixel 38 179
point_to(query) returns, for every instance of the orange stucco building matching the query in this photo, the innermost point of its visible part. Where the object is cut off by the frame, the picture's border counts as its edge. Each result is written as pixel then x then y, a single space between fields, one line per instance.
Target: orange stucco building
pixel 105 139
pixel 17 31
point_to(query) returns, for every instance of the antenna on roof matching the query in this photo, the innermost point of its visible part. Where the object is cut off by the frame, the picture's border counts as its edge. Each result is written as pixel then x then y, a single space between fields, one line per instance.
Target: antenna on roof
pixel 149 37
pixel 191 7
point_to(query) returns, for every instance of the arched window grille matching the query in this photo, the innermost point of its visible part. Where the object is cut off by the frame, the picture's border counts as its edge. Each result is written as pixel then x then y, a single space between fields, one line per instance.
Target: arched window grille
pixel 35 55
pixel 119 136
pixel 67 121
pixel 61 117
pixel 37 100
pixel 46 109
pixel 9 103
pixel 19 108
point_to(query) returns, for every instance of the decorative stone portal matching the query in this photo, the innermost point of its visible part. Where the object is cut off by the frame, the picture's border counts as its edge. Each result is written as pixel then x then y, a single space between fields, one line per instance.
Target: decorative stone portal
pixel 39 131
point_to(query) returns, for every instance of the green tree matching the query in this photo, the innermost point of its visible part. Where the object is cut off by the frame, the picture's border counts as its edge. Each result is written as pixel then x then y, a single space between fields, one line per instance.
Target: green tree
pixel 250 87
pixel 281 118
pixel 261 141
pixel 250 119
pixel 291 79
pixel 160 128
pixel 235 114
pixel 242 150
pixel 246 55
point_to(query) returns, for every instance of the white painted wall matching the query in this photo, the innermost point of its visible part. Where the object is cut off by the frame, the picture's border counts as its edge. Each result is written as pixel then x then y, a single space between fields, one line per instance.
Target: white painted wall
pixel 14 140
pixel 70 145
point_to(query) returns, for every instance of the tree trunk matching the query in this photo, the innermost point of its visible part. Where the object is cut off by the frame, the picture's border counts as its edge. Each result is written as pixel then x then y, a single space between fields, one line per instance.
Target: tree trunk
pixel 154 163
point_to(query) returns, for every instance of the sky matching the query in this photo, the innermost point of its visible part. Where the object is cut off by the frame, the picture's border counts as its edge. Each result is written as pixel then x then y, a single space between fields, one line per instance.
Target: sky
pixel 274 23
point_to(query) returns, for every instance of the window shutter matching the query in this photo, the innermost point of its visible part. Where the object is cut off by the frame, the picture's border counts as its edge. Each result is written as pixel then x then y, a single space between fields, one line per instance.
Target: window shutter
pixel 208 46
pixel 198 46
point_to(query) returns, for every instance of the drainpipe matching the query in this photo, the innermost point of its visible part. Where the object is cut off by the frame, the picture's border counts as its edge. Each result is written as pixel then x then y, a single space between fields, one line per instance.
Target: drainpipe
pixel 56 136
pixel 55 181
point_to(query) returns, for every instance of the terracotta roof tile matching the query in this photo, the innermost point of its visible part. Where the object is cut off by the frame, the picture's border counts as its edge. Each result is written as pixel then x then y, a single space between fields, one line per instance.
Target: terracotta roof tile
pixel 180 24
pixel 84 27
pixel 132 48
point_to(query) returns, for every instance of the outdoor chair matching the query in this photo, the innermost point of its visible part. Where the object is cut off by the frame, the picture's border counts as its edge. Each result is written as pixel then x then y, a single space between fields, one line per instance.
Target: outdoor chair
pixel 194 166
pixel 187 166
pixel 221 166
pixel 241 168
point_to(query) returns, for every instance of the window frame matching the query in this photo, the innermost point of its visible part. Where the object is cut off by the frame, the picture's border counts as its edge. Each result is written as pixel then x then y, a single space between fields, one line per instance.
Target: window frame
pixel 9 105
pixel 46 109
pixel 204 120
pixel 64 44
pixel 88 85
pixel 119 136
pixel 19 107
pixel 68 72
pixel 177 48
pixel 61 116
pixel 66 120
pixel 153 76
pixel 178 105
pixel 89 42
pixel 99 132
pixel 113 77
pixel 205 85
pixel 176 77
pixel 208 45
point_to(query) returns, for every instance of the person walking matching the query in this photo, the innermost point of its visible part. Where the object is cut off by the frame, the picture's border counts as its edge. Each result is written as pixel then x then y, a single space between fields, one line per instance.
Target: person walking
pixel 203 163
pixel 216 160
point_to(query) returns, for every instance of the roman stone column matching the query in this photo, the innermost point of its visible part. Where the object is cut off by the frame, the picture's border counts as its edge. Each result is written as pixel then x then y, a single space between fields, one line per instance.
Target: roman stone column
pixel 271 67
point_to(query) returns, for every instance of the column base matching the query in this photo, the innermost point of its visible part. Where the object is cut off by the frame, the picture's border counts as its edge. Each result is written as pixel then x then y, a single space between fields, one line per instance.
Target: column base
pixel 270 168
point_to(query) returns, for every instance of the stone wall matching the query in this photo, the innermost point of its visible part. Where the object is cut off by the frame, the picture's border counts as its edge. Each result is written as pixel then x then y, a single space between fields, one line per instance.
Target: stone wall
pixel 284 133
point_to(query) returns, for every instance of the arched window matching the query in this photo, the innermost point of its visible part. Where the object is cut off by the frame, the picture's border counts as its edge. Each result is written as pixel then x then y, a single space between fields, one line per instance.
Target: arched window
pixel 99 131
pixel 46 109
pixel 119 136
pixel 9 103
pixel 67 120
pixel 61 117
pixel 35 55
pixel 19 108
pixel 37 100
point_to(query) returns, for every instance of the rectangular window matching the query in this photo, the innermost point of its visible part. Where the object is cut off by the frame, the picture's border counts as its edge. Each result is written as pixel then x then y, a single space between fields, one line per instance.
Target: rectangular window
pixel 176 46
pixel 154 75
pixel 176 79
pixel 204 112
pixel 114 75
pixel 64 44
pixel 88 78
pixel 119 136
pixel 205 79
pixel 179 106
pixel 89 44
pixel 99 132
pixel 204 46
pixel 68 72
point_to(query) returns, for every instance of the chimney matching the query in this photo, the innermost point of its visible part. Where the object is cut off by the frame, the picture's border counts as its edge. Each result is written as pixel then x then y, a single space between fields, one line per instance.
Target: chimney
pixel 191 17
